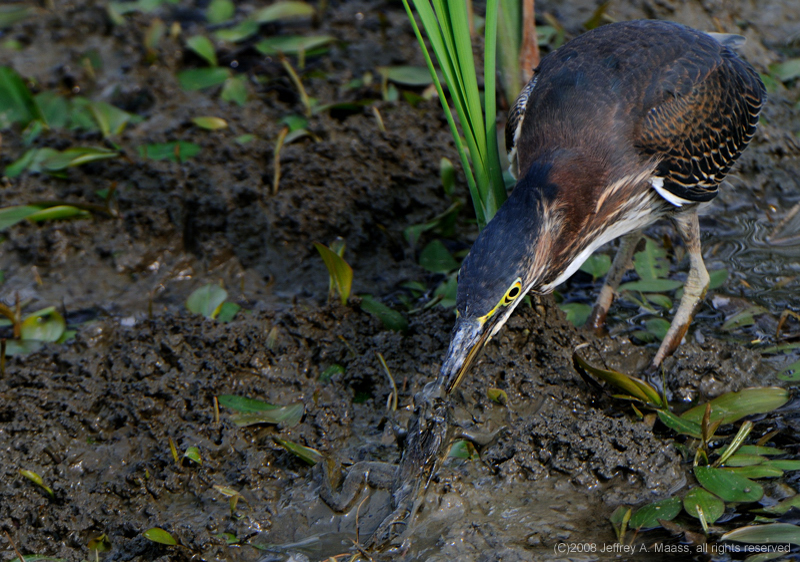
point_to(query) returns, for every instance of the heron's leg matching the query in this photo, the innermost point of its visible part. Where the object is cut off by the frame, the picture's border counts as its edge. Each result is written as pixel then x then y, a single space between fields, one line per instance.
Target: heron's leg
pixel 623 261
pixel 688 227
pixel 376 474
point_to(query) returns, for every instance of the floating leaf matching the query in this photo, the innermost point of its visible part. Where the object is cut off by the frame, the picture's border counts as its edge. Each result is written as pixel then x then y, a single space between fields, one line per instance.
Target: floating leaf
pixel 651 263
pixel 577 312
pixel 740 459
pixel 283 10
pixel 596 265
pixel 414 76
pixel 111 120
pixel 660 300
pixel 340 272
pixel 734 406
pixel 227 311
pixel 651 286
pixel 173 151
pixel 760 450
pixel 309 455
pixel 497 395
pixel 784 464
pixel 36 479
pixel 717 278
pixel 292 44
pixel 786 71
pixel 243 404
pixel 680 425
pixel 219 11
pixel 658 327
pixel 744 318
pixel 756 471
pixel 193 454
pixel 44 325
pixel 436 258
pixel 235 90
pixel 728 485
pixel 463 449
pixel 289 416
pixel 647 516
pixel 160 536
pixel 207 300
pixel 203 47
pixel 210 123
pixel 782 507
pixel 240 32
pixel 774 533
pixel 711 505
pixel 201 78
pixel 636 388
pixel 390 318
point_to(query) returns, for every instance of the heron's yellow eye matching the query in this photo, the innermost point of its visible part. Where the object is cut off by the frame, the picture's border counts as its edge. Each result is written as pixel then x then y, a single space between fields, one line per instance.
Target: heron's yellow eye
pixel 513 292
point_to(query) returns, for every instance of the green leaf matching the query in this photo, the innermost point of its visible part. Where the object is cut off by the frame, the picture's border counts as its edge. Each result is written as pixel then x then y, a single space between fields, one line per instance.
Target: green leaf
pixel 717 278
pixel 207 300
pixel 16 102
pixel 680 425
pixel 294 122
pixel 243 404
pixel 636 388
pixel 193 454
pixel 790 372
pixel 9 15
pixel 239 32
pixel 414 76
pixel 651 263
pixel 12 215
pixel 100 544
pixel 743 459
pixel 712 506
pixel 596 265
pixel 44 325
pixel 660 300
pixel 327 374
pixel 292 44
pixel 787 70
pixel 647 517
pixel 55 161
pixel 658 327
pixel 228 311
pixel 289 416
pixel 220 11
pixel 774 533
pixel 463 449
pixel 784 464
pixel 201 78
pixel 435 257
pixel 245 139
pixel 727 485
pixel 782 507
pixel 160 536
pixel 203 47
pixel 744 317
pixel 760 450
pixel 447 292
pixel 390 318
pixel 235 90
pixel 339 271
pixel 756 471
pixel 58 212
pixel 283 10
pixel 651 286
pixel 20 164
pixel 111 120
pixel 173 151
pixel 447 174
pixel 36 479
pixel 307 454
pixel 577 312
pixel 54 109
pixel 210 123
pixel 497 395
pixel 733 406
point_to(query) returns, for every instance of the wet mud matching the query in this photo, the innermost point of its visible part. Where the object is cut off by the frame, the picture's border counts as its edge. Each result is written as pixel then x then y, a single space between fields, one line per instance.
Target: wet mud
pixel 94 417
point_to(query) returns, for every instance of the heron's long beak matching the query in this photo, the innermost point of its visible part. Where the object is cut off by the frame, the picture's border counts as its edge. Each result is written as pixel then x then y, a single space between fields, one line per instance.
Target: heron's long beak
pixel 469 337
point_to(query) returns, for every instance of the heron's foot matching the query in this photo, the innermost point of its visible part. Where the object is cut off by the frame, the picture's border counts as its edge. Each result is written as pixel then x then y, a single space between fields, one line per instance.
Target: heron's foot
pixel 375 474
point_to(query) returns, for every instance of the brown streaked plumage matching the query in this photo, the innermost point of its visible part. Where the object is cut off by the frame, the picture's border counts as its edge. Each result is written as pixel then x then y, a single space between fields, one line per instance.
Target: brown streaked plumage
pixel 624 125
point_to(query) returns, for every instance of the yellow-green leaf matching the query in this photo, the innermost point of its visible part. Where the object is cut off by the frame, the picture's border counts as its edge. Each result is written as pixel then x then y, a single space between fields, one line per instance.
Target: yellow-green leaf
pixel 734 406
pixel 210 123
pixel 160 536
pixel 339 270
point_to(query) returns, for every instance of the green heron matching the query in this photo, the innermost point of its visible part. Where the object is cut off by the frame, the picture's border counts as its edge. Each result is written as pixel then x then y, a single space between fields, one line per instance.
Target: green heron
pixel 624 125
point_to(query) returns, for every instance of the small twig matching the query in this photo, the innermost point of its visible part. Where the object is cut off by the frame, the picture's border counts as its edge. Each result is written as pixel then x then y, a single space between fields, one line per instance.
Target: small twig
pixel 378 117
pixel 784 316
pixel 276 159
pixel 297 84
pixel 19 554
pixel 216 411
pixel 393 396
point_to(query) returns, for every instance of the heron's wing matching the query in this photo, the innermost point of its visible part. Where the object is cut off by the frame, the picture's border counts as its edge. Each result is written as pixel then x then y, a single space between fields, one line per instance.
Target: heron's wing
pixel 514 124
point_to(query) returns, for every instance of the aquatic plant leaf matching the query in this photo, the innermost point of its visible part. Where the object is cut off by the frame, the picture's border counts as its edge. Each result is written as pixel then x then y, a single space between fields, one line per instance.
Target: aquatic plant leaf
pixel 335 369
pixel 596 265
pixel 22 347
pixel 193 454
pixel 415 76
pixel 646 517
pixel 463 449
pixel 201 78
pixel 307 454
pixel 239 32
pixel 58 212
pixel 755 471
pixel 717 278
pixel 790 372
pixel 744 317
pixel 202 46
pixel 207 300
pixel 339 271
pixel 235 90
pixel 292 44
pixel 390 318
pixel 36 479
pixel 210 123
pixel 245 139
pixel 728 485
pixel 436 258
pixel 651 263
pixel 282 10
pixel 229 538
pixel 160 536
pixel 660 300
pixel 243 404
pixel 55 109
pixel 228 311
pixel 44 325
pixel 9 15
pixel 787 70
pixel 111 120
pixel 12 215
pixel 56 161
pixel 651 286
pixel 497 395
pixel 699 499
pixel 760 450
pixel 577 312
pixel 619 520
pixel 782 507
pixel 636 388
pixel 784 464
pixel 100 544
pixel 733 406
pixel 774 533
pixel 289 416
pixel 680 425
pixel 658 327
pixel 16 102
pixel 173 151
pixel 742 459
pixel 220 11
